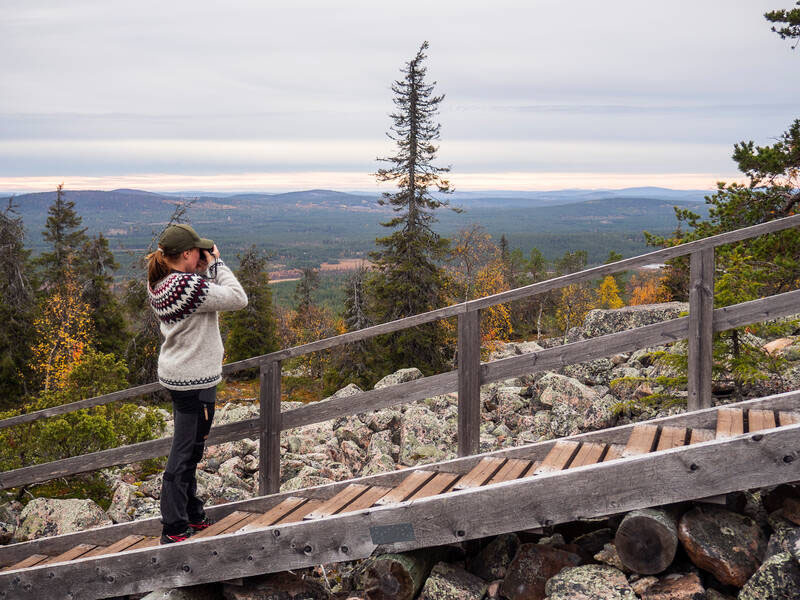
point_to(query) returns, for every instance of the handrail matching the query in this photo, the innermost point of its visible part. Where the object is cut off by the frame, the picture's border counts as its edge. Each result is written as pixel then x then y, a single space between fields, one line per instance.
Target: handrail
pixel 551 358
pixel 434 315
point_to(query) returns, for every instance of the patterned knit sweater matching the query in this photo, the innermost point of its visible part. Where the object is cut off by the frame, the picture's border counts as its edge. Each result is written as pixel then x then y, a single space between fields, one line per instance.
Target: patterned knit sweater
pixel 187 306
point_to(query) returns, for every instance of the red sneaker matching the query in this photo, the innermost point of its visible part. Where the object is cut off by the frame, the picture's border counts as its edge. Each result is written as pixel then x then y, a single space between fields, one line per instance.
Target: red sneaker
pixel 178 537
pixel 200 525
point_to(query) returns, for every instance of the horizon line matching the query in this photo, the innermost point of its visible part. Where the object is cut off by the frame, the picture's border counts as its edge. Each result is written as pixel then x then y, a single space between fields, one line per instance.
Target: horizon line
pixel 355 181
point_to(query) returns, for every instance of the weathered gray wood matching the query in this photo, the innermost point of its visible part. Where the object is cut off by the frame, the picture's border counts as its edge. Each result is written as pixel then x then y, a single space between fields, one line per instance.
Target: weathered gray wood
pixel 81 404
pixel 402 393
pixel 469 383
pixel 647 540
pixel 676 475
pixel 701 327
pixel 269 457
pixel 706 418
pixel 119 456
pixel 755 311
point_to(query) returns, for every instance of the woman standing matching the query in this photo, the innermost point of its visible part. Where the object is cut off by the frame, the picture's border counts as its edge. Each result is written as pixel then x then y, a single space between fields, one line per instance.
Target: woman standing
pixel 188 285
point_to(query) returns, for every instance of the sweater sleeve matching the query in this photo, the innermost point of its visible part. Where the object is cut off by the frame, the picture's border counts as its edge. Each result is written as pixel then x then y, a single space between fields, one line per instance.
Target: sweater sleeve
pixel 224 290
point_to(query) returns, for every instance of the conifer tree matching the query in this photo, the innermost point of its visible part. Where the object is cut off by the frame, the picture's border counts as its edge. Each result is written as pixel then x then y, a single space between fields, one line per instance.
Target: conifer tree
pixel 252 331
pixel 98 266
pixel 791 23
pixel 408 278
pixel 16 307
pixel 66 237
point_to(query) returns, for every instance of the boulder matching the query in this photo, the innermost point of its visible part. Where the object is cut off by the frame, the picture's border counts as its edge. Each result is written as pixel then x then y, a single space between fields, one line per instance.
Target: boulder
pixel 196 592
pixel 352 456
pixel 589 582
pixel 676 586
pixel 381 420
pixel 424 437
pixel 122 503
pixel 609 556
pixel 278 586
pixel 44 517
pixel 532 567
pixel 400 376
pixel 728 545
pixel 492 562
pixel 602 322
pixel 379 463
pixel 778 578
pixel 593 372
pixel 6 533
pixel 451 582
pixel 510 349
pixel 307 477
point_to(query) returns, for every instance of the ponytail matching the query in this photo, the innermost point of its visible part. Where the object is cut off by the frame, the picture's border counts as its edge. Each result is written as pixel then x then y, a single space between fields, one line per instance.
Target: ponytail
pixel 157 266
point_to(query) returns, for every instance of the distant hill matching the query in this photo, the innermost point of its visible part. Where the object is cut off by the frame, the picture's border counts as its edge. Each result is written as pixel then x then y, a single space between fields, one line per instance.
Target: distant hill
pixel 314 226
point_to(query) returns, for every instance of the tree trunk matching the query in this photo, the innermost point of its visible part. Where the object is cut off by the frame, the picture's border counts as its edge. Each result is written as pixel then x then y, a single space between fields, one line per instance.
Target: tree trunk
pixel 398 576
pixel 647 540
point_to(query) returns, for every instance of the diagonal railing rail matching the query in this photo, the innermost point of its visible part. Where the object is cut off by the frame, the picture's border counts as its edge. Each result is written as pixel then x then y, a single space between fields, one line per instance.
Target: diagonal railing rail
pixel 702 321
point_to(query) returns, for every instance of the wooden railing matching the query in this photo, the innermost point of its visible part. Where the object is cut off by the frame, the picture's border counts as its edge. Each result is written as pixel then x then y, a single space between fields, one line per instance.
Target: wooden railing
pixel 698 327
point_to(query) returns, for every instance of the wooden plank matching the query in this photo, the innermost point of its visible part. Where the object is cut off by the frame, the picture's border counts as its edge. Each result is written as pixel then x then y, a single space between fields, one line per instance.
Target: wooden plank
pixel 614 452
pixel 756 311
pixel 438 485
pixel 513 469
pixel 269 459
pixel 469 384
pixel 660 478
pixel 223 524
pixel 414 481
pixel 480 474
pixel 147 542
pixel 701 329
pixel 641 441
pixel 558 458
pixel 119 546
pixel 703 419
pixel 701 435
pixel 70 554
pixel 760 419
pixel 338 502
pixel 241 524
pixel 402 393
pixel 671 437
pixel 367 499
pixel 298 515
pixel 30 561
pixel 788 418
pixel 589 454
pixel 276 513
pixel 730 422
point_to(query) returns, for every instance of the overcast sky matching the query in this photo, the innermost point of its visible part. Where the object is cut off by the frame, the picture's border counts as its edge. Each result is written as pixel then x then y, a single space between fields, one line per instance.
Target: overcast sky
pixel 540 94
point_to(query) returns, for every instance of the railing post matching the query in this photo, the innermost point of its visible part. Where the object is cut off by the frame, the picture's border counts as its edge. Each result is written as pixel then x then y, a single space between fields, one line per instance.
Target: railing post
pixel 701 329
pixel 269 450
pixel 469 382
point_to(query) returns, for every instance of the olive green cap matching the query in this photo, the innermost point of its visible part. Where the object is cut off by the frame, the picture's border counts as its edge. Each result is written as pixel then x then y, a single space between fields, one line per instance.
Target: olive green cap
pixel 177 238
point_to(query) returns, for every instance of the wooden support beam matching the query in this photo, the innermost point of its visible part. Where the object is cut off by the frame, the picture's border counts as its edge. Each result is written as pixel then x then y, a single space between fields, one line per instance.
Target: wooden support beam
pixel 469 383
pixel 269 456
pixel 701 328
pixel 660 478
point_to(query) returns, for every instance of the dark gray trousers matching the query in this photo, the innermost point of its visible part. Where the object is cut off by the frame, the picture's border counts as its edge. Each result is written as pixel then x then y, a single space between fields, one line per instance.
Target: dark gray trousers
pixel 193 411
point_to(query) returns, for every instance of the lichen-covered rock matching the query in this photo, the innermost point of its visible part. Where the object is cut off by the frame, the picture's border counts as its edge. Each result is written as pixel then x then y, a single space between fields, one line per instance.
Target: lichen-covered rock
pixel 307 477
pixel 510 349
pixel 351 428
pixel 381 420
pixel 6 532
pixel 352 455
pixel 676 586
pixel 589 582
pixel 728 545
pixel 424 437
pixel 44 517
pixel 231 413
pixel 593 372
pixel 195 592
pixel 379 463
pixel 609 556
pixel 778 578
pixel 602 322
pixel 492 562
pixel 532 567
pixel 450 582
pixel 382 443
pixel 400 376
pixel 639 586
pixel 122 509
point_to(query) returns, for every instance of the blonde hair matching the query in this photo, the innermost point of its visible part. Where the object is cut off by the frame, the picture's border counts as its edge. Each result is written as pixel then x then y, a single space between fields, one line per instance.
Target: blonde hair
pixel 157 265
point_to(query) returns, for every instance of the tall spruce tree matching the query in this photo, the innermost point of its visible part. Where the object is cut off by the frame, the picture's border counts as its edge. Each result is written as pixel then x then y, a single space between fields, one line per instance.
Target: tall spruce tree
pixel 409 278
pixel 97 273
pixel 66 237
pixel 252 331
pixel 16 307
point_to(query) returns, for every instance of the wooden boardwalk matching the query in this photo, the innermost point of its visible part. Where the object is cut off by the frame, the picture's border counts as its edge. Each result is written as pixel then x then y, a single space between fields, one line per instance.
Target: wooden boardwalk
pixel 689 456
